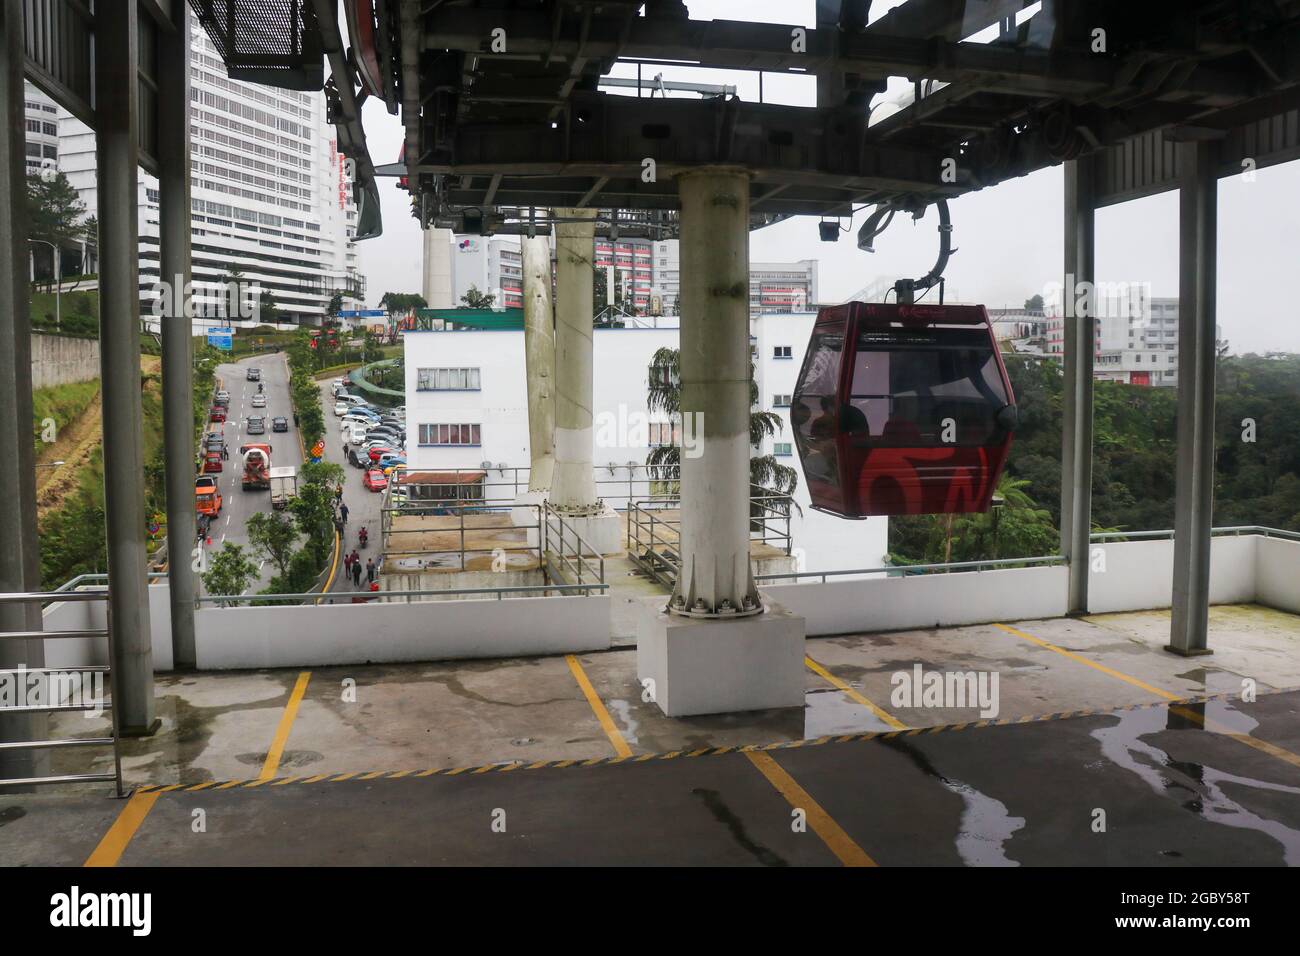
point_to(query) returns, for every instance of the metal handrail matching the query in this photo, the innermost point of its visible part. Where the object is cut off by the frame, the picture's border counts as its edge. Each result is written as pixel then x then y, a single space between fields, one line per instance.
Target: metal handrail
pixel 377 595
pixel 108 704
pixel 459 512
pixel 902 570
pixel 1234 530
pixel 579 560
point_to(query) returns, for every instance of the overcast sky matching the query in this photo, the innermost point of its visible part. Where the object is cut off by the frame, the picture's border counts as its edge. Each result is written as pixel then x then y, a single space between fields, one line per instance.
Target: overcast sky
pixel 1008 237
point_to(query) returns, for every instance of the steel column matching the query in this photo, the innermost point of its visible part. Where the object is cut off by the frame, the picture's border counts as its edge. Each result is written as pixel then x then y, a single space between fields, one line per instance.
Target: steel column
pixel 716 578
pixel 1078 308
pixel 177 331
pixel 117 52
pixel 1193 505
pixel 20 556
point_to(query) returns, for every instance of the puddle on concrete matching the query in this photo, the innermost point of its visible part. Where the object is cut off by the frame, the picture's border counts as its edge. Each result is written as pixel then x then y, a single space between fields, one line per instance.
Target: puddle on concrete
pixel 1198 788
pixel 628 725
pixel 829 711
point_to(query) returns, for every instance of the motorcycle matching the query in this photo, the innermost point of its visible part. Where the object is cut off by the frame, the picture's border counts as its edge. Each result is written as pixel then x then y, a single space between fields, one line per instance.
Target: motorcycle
pixel 363 537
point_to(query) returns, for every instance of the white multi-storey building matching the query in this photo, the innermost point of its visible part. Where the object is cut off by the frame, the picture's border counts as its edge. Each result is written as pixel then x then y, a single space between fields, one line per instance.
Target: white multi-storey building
pixel 270 197
pixel 42 117
pixel 775 288
pixel 467 408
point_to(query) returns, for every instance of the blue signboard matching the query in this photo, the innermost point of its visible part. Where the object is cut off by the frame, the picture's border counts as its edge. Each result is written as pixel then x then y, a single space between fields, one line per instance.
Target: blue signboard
pixel 362 314
pixel 221 337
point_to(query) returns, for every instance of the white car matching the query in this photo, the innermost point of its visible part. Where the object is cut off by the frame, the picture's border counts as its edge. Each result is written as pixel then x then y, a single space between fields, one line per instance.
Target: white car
pixel 341 409
pixel 356 434
pixel 259 400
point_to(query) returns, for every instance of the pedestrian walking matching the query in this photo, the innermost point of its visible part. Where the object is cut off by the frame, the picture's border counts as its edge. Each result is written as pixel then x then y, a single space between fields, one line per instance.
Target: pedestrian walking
pixel 225 452
pixel 343 512
pixel 338 492
pixel 356 573
pixel 338 527
pixel 370 570
pixel 347 565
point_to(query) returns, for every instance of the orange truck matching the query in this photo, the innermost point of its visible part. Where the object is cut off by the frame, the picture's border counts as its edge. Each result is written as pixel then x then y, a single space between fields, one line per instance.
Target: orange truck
pixel 207 500
pixel 257 466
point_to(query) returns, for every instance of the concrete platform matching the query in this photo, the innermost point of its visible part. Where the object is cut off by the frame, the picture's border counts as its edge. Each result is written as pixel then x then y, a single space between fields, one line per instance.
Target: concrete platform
pixel 1089 717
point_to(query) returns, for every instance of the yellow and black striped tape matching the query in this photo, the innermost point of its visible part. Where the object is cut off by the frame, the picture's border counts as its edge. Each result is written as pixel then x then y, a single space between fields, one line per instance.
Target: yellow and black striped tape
pixel 510 766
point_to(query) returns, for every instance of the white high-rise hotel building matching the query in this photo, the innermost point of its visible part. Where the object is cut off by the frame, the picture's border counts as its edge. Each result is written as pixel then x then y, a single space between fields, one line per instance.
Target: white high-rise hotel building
pixel 269 193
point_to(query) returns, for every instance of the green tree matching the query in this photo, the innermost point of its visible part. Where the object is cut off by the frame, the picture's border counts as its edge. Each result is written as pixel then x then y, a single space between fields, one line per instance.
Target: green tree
pixel 275 536
pixel 474 299
pixel 335 305
pixel 267 309
pixel 313 510
pixel 399 303
pixel 229 572
pixel 55 214
pixel 1034 303
pixel 371 351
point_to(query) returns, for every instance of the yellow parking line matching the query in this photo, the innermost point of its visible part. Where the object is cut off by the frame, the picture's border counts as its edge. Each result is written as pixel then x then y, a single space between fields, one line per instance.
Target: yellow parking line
pixel 598 707
pixel 836 840
pixel 820 671
pixel 115 841
pixel 273 755
pixel 1210 725
pixel 1093 664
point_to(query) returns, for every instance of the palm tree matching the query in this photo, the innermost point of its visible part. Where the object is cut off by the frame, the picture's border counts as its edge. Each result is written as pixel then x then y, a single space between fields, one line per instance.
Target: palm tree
pixel 665 395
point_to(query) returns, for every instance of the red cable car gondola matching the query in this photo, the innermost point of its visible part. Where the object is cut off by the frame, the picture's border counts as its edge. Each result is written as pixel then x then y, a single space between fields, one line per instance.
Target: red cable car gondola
pixel 902 409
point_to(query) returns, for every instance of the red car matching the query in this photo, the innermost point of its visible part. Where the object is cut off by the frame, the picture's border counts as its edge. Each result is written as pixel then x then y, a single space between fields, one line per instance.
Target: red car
pixel 379 451
pixel 374 480
pixel 218 414
pixel 212 462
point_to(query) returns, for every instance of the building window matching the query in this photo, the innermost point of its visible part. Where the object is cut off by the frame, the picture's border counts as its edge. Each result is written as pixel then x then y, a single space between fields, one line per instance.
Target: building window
pixel 780 401
pixel 782 352
pixel 661 376
pixel 663 434
pixel 449 435
pixel 447 380
pixel 782 449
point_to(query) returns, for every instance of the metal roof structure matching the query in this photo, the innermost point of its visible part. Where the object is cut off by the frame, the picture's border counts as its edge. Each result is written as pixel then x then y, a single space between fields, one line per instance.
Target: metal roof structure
pixel 505 118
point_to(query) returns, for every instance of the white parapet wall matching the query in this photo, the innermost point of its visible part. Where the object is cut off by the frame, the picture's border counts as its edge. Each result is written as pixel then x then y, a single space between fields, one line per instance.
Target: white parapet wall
pixel 90 615
pixel 1277 573
pixel 1139 575
pixel 298 636
pixel 924 600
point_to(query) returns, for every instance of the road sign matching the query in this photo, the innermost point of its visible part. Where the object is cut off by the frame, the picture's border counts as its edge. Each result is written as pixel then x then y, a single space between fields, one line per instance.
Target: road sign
pixel 362 314
pixel 221 337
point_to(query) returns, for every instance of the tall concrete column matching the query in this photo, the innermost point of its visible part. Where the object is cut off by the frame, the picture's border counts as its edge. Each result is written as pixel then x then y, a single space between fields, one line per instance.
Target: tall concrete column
pixel 177 341
pixel 1197 352
pixel 117 130
pixel 20 556
pixel 716 578
pixel 539 357
pixel 1080 343
pixel 573 488
pixel 436 286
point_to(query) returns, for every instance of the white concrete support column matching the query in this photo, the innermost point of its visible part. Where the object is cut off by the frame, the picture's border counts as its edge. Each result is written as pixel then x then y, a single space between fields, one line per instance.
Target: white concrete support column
pixel 718 647
pixel 573 488
pixel 573 483
pixel 437 287
pixel 716 578
pixel 539 357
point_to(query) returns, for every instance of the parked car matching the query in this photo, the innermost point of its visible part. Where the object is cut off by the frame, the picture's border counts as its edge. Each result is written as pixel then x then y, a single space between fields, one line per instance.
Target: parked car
pixel 350 399
pixel 279 424
pixel 358 459
pixel 204 483
pixel 341 409
pixel 256 425
pixel 218 414
pixel 212 461
pixel 379 450
pixel 223 398
pixel 356 434
pixel 214 440
pixel 375 480
pixel 391 434
pixel 254 375
pixel 259 400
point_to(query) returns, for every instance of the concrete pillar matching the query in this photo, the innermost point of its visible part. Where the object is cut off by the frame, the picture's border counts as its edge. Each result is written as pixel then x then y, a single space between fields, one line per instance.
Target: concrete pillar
pixel 716 578
pixel 573 488
pixel 20 556
pixel 117 131
pixel 539 355
pixel 1197 353
pixel 437 285
pixel 1080 339
pixel 177 357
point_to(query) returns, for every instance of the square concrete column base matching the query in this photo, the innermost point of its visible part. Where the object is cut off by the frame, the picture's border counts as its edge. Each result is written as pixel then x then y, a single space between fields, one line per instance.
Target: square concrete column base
pixel 527 513
pixel 722 666
pixel 601 533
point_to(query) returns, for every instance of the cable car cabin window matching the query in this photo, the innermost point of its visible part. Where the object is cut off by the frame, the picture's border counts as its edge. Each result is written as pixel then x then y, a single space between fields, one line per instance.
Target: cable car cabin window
pixel 813 410
pixel 907 386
